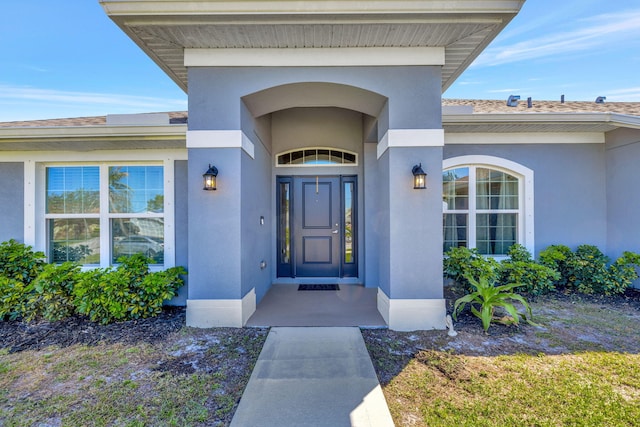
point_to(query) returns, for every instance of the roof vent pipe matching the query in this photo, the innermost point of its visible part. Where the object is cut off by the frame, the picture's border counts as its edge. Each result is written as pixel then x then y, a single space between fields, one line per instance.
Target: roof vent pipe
pixel 600 99
pixel 513 100
pixel 529 102
pixel 562 99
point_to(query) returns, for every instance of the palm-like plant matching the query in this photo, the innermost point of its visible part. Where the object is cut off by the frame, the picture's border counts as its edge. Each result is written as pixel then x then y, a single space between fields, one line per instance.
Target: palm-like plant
pixel 487 297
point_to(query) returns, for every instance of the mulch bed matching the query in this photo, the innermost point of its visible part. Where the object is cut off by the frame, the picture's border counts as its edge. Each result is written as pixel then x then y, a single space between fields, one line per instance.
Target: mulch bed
pixel 19 336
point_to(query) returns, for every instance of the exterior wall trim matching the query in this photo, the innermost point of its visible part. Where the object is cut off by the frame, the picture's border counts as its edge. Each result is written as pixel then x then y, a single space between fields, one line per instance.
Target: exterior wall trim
pixel 477 138
pixel 314 57
pixel 412 314
pixel 225 313
pixel 411 138
pixel 220 139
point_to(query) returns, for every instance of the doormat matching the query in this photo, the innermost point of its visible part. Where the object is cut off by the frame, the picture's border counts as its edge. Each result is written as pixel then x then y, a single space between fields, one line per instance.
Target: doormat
pixel 319 287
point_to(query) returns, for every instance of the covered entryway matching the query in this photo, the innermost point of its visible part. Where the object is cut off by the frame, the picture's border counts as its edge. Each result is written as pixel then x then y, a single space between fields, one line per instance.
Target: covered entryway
pixel 317 226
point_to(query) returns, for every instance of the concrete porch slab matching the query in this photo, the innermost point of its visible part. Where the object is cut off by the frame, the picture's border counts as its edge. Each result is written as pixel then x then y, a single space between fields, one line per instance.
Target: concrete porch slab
pixel 284 305
pixel 313 377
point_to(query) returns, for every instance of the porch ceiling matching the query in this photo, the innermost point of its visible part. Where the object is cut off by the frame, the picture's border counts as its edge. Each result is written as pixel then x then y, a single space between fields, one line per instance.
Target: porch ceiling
pixel 163 29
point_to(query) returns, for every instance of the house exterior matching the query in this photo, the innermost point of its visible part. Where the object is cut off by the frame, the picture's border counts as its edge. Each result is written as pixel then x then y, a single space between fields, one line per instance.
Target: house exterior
pixel 314 116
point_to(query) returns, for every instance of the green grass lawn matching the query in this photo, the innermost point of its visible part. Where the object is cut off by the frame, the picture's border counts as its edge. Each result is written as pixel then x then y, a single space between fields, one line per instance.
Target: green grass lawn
pixel 195 378
pixel 585 389
pixel 579 367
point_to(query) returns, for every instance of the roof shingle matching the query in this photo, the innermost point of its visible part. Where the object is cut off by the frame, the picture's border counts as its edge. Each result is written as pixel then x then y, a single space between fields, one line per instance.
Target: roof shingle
pixel 479 106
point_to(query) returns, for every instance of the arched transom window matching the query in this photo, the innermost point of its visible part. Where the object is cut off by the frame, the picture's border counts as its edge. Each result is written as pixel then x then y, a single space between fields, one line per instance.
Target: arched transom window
pixel 484 208
pixel 317 157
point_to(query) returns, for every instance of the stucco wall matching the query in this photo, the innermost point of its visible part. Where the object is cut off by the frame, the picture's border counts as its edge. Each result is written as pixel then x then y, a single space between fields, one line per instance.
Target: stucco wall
pixel 214 231
pixel 372 183
pixel 411 100
pixel 181 226
pixel 570 188
pixel 12 201
pixel 317 127
pixel 256 238
pixel 415 224
pixel 215 92
pixel 623 194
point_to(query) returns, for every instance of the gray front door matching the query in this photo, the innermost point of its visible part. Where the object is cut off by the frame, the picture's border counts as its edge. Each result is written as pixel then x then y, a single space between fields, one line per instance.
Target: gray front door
pixel 317 226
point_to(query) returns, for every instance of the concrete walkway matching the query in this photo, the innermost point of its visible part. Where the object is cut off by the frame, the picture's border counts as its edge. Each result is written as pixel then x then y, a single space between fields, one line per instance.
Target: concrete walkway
pixel 313 377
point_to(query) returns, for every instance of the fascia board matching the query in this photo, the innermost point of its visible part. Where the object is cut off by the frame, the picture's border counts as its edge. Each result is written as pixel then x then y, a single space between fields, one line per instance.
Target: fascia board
pixel 254 7
pixel 94 132
pixel 314 57
pixel 613 119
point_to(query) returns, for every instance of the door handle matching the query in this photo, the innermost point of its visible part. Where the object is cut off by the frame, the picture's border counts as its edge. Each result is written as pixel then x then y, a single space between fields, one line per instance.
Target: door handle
pixel 335 232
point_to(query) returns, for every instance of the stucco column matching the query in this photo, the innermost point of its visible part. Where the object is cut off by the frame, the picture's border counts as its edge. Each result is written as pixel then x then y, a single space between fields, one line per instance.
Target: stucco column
pixel 215 253
pixel 411 285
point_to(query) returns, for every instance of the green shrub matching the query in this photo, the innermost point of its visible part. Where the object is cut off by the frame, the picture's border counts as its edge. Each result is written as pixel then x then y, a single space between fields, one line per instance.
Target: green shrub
pixel 128 291
pixel 460 262
pixel 518 253
pixel 558 258
pixel 531 277
pixel 587 270
pixel 625 270
pixel 51 293
pixel 19 262
pixel 13 298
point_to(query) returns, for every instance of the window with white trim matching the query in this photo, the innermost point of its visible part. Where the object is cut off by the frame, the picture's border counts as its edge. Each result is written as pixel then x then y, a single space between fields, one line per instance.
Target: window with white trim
pixel 317 157
pixel 98 212
pixel 483 208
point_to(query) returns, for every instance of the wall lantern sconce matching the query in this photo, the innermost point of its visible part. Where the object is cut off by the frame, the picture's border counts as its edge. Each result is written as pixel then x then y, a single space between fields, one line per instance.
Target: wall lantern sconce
pixel 419 177
pixel 210 177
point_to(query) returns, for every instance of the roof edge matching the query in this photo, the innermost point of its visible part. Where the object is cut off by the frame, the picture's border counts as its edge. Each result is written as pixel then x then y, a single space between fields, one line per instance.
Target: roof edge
pixel 615 119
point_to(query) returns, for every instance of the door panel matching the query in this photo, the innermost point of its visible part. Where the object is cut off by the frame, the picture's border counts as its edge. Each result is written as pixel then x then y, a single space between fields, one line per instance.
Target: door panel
pixel 317 226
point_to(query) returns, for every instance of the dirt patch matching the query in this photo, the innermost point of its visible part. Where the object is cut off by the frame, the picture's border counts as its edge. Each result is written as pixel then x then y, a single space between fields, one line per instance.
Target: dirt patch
pixel 566 324
pixel 133 358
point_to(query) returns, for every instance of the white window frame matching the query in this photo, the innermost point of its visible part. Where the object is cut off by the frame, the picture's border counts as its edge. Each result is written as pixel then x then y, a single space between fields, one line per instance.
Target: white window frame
pixel 525 209
pixel 315 165
pixel 35 193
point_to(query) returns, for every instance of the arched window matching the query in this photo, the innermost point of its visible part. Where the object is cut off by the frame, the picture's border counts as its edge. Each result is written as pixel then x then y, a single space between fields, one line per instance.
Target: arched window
pixel 317 157
pixel 487 204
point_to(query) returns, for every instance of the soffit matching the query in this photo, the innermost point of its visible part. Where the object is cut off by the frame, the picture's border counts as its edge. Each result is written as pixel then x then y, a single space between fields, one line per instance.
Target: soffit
pixel 163 29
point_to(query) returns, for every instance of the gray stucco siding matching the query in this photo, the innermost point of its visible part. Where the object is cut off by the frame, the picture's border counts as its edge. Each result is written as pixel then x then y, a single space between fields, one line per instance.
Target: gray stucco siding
pixel 415 226
pixel 256 237
pixel 373 222
pixel 569 189
pixel 181 226
pixel 214 231
pixel 623 194
pixel 12 201
pixel 216 92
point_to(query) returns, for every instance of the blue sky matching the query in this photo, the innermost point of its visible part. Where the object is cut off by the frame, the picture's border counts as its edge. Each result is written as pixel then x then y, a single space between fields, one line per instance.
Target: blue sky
pixel 67 59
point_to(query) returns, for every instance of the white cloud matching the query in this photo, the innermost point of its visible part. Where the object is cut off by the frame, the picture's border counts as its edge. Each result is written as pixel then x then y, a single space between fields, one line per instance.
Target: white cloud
pixel 595 32
pixel 84 98
pixel 29 103
pixel 631 94
pixel 504 90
